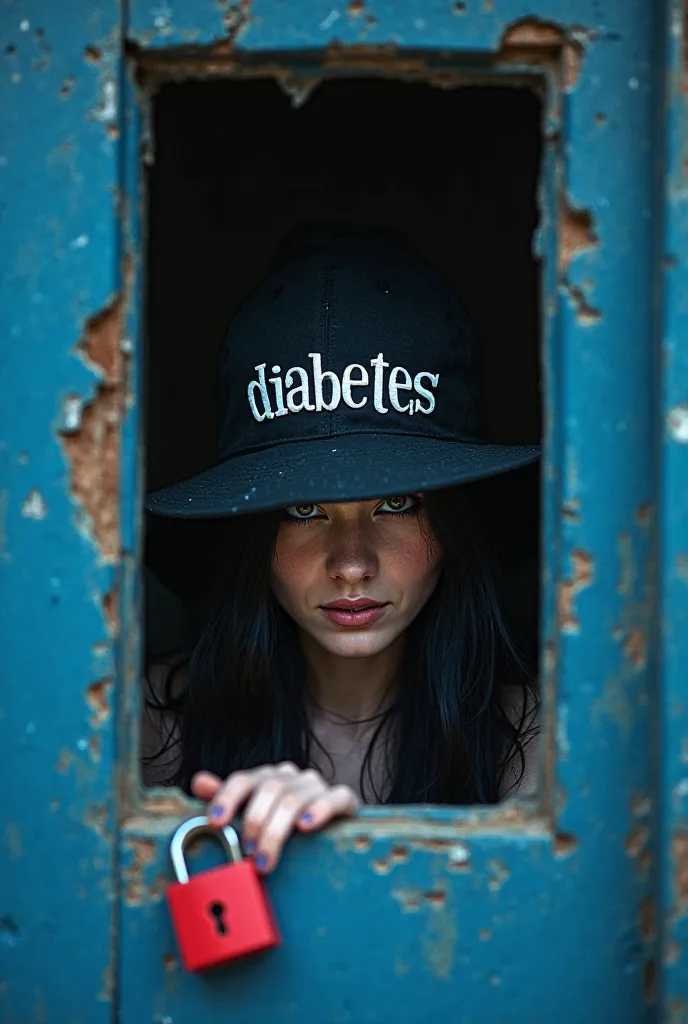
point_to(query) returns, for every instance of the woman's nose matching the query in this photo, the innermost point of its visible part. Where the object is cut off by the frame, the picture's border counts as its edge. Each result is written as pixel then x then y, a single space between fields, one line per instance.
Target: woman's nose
pixel 352 556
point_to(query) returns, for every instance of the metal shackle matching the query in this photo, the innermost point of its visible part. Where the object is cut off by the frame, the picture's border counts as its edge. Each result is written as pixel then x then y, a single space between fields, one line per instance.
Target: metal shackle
pixel 188 831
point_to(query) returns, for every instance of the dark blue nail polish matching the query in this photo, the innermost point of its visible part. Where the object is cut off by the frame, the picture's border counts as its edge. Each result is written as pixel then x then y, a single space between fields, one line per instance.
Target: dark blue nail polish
pixel 216 811
pixel 249 846
pixel 306 819
pixel 261 861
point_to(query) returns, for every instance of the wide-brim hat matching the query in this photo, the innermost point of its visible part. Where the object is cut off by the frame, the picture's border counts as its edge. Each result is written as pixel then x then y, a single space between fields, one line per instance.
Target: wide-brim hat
pixel 351 373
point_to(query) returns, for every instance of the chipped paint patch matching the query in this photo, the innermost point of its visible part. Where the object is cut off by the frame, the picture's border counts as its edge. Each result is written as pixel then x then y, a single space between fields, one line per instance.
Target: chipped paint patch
pixel 459 856
pixel 64 761
pixel 577 233
pixel 409 898
pixel 636 843
pixel 439 940
pixel 170 962
pixel 570 511
pixel 436 898
pixel 96 818
pixel 587 315
pixel 499 874
pixel 111 612
pixel 565 844
pixel 34 505
pixel 98 700
pixel 535 41
pixel 92 447
pixel 137 890
pixel 582 576
pixel 677 423
pixel 679 853
pixel 644 514
pixel 635 647
pixel 383 865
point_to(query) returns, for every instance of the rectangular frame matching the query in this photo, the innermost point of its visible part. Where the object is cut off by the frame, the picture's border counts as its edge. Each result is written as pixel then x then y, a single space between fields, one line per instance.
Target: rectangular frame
pixel 464 900
pixel 549 844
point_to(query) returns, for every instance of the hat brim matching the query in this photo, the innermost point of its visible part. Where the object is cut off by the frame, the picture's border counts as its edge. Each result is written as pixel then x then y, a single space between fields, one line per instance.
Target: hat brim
pixel 355 467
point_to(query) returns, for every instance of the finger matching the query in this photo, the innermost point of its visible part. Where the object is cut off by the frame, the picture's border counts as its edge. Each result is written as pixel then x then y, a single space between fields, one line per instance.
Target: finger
pixel 337 802
pixel 284 779
pixel 205 785
pixel 260 807
pixel 237 788
pixel 232 794
pixel 280 823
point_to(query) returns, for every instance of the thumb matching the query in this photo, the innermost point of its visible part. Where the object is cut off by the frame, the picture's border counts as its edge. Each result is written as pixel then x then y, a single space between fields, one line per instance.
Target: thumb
pixel 205 785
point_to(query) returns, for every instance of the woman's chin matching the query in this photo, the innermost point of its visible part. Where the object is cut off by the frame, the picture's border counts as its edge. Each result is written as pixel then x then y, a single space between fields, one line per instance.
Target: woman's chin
pixel 358 644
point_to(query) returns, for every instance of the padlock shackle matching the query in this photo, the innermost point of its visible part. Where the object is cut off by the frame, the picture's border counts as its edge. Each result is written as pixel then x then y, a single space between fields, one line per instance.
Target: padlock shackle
pixel 190 830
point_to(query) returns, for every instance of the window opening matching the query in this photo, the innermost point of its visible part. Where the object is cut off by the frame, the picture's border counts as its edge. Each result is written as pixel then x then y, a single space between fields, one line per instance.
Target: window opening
pixel 454 172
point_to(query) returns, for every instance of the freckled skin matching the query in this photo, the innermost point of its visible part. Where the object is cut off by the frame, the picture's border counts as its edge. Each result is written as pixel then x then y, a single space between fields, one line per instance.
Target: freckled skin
pixel 355 549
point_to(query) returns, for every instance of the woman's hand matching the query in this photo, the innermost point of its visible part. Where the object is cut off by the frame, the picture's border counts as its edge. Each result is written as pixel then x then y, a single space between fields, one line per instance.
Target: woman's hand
pixel 278 798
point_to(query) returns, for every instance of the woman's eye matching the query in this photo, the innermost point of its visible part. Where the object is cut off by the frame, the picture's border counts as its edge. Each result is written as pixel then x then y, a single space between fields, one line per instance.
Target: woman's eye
pixel 399 503
pixel 301 512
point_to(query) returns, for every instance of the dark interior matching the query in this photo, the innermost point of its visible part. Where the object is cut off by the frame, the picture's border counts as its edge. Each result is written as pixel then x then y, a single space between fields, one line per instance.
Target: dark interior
pixel 236 166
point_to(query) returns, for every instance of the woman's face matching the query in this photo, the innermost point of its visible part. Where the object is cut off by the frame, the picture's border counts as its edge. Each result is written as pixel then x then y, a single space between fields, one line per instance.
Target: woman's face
pixel 354 575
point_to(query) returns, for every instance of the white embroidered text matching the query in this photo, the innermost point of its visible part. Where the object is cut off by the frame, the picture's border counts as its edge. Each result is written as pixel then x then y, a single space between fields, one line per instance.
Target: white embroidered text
pixel 318 390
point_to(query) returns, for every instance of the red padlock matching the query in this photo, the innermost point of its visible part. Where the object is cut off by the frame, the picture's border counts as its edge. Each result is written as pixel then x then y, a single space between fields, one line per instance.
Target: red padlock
pixel 221 914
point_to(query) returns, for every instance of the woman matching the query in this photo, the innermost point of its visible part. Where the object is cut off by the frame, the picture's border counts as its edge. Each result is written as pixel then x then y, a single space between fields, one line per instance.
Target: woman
pixel 351 647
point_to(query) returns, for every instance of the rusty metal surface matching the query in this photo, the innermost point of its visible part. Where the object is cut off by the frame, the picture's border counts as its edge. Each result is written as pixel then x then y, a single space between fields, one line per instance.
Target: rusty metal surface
pixel 419 915
pixel 63 372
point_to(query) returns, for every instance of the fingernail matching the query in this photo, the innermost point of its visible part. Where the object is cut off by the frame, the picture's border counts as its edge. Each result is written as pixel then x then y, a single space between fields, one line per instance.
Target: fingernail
pixel 216 811
pixel 306 819
pixel 261 861
pixel 249 846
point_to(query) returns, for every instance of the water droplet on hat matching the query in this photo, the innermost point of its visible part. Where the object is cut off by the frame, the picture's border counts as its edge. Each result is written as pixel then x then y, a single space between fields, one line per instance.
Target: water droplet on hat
pixel 253 490
pixel 334 449
pixel 246 497
pixel 234 508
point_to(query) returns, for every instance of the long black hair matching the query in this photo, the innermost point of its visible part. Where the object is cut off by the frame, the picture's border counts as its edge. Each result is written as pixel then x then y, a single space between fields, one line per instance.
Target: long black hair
pixel 244 702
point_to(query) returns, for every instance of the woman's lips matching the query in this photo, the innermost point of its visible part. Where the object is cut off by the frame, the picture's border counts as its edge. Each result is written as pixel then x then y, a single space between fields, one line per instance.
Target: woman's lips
pixel 360 612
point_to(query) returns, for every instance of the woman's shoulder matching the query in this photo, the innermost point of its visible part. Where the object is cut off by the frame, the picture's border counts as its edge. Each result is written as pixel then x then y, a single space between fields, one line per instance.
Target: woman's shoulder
pixel 164 682
pixel 521 774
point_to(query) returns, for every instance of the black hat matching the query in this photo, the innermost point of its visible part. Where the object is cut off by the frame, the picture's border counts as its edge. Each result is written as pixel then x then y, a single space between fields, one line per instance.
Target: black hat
pixel 350 373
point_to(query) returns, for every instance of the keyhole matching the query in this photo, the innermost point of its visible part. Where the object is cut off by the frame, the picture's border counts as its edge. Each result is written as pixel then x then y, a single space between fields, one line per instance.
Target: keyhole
pixel 218 912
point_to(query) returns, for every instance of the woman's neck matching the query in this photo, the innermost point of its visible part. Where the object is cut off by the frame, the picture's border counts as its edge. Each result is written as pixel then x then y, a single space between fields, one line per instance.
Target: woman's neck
pixel 351 689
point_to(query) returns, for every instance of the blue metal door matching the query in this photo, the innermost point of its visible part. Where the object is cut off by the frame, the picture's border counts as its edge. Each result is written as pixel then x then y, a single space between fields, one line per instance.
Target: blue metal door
pixel 571 907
